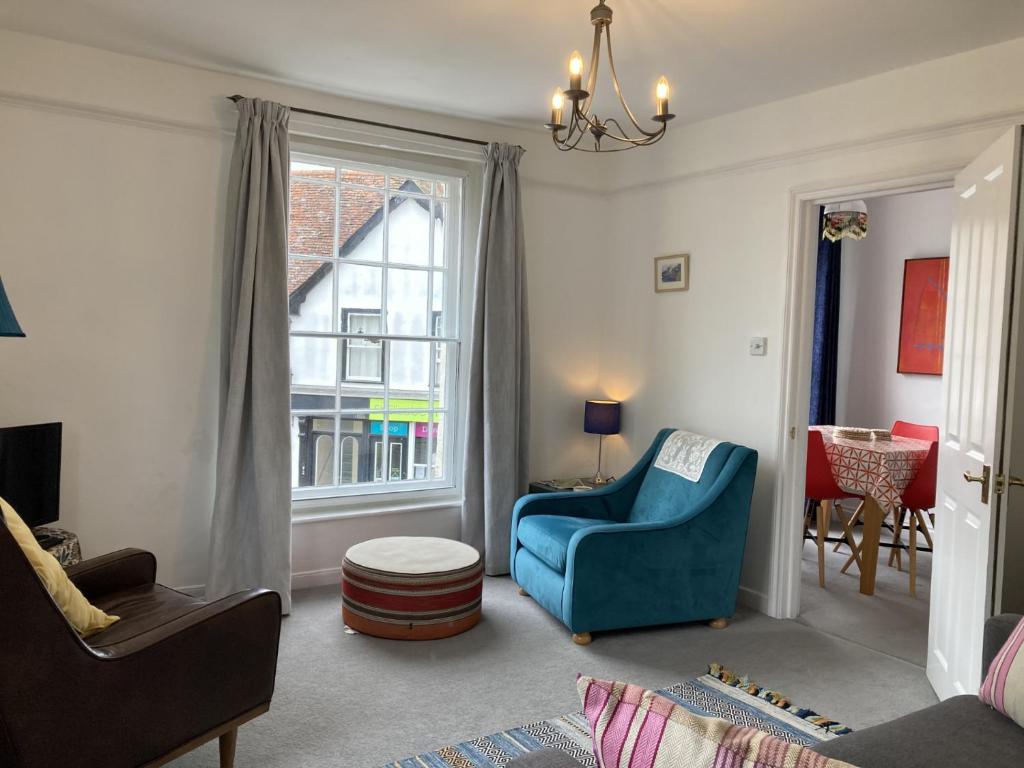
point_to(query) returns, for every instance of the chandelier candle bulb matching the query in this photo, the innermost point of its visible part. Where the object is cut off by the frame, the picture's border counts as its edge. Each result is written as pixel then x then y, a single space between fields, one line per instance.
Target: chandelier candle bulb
pixel 661 91
pixel 557 101
pixel 575 71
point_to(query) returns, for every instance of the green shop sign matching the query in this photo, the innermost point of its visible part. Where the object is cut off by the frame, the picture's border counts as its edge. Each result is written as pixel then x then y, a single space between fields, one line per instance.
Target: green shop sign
pixel 377 404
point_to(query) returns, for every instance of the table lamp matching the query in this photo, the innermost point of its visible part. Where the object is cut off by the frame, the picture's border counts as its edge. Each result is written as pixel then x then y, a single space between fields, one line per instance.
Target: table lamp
pixel 8 322
pixel 601 417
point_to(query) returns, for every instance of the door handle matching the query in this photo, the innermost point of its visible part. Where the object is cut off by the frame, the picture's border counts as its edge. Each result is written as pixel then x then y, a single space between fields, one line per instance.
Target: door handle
pixel 1005 482
pixel 984 478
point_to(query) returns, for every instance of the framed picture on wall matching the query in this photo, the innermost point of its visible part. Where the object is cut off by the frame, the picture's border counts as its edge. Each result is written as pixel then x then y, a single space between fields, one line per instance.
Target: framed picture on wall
pixel 672 273
pixel 923 315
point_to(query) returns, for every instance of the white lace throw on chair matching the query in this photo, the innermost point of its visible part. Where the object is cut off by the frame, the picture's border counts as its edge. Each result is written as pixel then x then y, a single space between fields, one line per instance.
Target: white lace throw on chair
pixel 685 454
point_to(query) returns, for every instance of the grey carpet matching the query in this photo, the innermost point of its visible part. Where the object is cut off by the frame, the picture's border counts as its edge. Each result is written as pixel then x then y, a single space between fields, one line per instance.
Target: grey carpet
pixel 890 621
pixel 351 701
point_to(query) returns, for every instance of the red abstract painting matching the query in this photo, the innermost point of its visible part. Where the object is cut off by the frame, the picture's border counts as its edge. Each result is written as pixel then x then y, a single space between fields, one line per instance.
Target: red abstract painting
pixel 923 317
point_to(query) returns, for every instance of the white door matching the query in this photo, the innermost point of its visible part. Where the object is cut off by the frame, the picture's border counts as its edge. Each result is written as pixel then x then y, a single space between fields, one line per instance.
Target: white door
pixel 978 321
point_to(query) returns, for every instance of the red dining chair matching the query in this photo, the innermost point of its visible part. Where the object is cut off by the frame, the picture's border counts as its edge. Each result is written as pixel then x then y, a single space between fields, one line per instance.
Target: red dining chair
pixel 917 498
pixel 822 491
pixel 916 432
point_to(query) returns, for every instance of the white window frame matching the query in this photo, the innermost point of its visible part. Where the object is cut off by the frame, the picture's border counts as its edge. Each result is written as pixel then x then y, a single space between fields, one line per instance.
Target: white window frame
pixel 314 500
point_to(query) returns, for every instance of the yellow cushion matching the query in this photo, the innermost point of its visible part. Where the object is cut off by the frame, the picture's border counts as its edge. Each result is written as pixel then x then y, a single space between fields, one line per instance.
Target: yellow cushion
pixel 86 618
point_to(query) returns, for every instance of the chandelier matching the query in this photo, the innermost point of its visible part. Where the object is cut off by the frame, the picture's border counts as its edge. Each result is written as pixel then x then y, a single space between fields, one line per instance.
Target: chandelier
pixel 582 119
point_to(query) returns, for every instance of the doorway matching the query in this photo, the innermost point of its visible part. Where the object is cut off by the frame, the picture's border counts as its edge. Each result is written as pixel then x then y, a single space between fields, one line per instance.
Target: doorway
pixel 805 208
pixel 876 404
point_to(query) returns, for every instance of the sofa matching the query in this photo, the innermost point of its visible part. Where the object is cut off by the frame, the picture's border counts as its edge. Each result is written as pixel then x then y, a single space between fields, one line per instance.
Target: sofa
pixel 960 731
pixel 174 672
pixel 650 548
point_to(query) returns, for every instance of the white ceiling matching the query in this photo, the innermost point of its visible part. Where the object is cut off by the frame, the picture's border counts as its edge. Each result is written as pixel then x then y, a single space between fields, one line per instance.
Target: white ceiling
pixel 501 60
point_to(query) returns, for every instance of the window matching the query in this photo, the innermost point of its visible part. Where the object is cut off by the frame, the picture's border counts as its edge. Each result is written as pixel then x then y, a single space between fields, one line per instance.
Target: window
pixel 363 358
pixel 373 297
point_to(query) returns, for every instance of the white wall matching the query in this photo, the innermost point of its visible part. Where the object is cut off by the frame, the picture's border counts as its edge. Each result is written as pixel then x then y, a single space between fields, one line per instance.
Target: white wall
pixel 113 174
pixel 723 190
pixel 870 393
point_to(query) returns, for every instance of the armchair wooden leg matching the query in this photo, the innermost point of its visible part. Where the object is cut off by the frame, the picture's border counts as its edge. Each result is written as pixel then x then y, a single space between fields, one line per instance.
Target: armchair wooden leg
pixel 718 623
pixel 523 592
pixel 227 748
pixel 581 638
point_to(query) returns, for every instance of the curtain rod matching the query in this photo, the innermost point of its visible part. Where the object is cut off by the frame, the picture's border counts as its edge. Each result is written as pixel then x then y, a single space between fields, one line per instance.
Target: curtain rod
pixel 376 124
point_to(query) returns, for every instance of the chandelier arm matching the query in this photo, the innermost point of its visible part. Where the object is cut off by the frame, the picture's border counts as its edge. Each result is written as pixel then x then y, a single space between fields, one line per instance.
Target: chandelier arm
pixel 618 90
pixel 624 137
pixel 574 127
pixel 565 146
pixel 595 59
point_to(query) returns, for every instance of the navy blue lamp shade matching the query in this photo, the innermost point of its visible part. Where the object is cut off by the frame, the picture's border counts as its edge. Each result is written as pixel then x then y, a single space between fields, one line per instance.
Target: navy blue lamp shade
pixel 8 322
pixel 601 417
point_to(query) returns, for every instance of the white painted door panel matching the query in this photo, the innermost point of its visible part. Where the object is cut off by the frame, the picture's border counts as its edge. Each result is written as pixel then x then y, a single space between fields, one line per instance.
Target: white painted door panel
pixel 974 372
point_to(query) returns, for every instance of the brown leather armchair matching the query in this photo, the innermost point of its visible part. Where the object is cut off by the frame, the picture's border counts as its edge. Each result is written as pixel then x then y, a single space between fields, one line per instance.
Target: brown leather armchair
pixel 173 673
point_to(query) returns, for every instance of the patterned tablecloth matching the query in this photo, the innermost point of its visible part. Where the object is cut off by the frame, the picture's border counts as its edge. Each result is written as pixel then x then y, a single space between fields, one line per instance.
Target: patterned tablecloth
pixel 880 468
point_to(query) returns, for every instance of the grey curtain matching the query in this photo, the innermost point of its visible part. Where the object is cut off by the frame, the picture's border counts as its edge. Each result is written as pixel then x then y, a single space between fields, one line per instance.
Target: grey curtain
pixel 497 434
pixel 250 541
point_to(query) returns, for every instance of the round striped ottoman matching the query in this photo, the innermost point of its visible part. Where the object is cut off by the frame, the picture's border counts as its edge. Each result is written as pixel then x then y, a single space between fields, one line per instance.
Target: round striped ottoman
pixel 411 587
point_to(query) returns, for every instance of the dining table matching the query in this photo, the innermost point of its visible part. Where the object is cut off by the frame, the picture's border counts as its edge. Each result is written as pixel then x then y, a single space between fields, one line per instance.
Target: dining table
pixel 879 469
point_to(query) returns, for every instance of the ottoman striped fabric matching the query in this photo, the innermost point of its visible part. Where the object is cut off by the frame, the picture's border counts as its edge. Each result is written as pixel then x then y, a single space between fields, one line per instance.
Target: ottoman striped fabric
pixel 411 587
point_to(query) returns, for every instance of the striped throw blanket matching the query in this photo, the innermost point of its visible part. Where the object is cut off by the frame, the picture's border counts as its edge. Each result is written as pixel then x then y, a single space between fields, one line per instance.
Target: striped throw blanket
pixel 637 728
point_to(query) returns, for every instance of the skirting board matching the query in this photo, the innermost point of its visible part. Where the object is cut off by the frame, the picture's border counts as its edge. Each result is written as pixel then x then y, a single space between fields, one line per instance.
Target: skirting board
pixel 300 580
pixel 319 578
pixel 751 598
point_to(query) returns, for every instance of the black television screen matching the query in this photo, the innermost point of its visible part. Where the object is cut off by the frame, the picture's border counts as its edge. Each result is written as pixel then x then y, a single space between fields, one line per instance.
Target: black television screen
pixel 30 471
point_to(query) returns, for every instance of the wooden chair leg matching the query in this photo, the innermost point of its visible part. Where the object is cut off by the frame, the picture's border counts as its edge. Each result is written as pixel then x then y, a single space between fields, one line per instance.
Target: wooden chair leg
pixel 924 528
pixel 824 508
pixel 896 553
pixel 848 526
pixel 913 553
pixel 854 546
pixel 227 748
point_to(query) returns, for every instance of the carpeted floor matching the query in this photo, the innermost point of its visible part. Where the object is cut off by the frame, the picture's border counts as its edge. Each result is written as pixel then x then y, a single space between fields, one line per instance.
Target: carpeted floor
pixel 351 701
pixel 890 621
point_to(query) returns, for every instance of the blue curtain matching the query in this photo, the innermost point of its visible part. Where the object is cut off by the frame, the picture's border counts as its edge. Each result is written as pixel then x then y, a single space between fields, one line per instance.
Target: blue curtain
pixel 825 345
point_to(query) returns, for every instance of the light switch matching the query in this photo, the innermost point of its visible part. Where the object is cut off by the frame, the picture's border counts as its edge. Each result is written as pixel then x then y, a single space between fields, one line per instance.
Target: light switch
pixel 759 345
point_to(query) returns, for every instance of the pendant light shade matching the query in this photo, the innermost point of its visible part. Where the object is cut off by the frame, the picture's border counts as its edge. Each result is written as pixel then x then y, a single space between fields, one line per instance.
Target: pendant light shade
pixel 846 219
pixel 8 322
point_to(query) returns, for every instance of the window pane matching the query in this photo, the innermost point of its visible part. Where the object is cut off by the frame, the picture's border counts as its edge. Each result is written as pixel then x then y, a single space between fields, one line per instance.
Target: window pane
pixel 363 177
pixel 409 364
pixel 408 184
pixel 314 364
pixel 311 218
pixel 438 464
pixel 444 357
pixel 438 318
pixel 441 189
pixel 407 302
pixel 359 288
pixel 310 295
pixel 307 170
pixel 409 230
pixel 360 219
pixel 440 221
pixel 312 451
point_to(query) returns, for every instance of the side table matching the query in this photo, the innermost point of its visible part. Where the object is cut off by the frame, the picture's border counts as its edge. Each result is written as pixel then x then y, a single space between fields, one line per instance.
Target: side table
pixel 62 544
pixel 560 486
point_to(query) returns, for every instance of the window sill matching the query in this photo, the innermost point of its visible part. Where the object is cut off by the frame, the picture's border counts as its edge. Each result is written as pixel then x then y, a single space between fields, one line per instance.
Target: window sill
pixel 319 510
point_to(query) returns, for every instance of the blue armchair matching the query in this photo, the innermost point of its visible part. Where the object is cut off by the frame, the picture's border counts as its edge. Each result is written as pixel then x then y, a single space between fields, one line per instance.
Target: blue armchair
pixel 650 548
